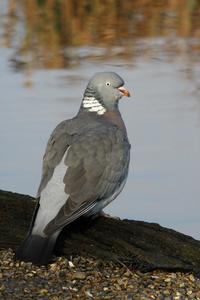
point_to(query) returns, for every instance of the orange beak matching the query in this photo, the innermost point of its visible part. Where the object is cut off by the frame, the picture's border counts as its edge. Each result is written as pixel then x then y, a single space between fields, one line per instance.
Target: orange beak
pixel 123 91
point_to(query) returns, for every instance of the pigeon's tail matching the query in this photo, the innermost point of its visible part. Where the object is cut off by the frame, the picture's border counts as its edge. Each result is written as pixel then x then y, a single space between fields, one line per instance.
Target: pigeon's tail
pixel 36 249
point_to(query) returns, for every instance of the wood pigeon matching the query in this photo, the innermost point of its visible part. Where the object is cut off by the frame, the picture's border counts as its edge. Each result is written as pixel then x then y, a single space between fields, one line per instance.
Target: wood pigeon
pixel 85 166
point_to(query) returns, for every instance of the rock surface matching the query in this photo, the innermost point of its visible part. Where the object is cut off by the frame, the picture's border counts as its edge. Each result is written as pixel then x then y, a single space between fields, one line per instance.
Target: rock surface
pixel 135 244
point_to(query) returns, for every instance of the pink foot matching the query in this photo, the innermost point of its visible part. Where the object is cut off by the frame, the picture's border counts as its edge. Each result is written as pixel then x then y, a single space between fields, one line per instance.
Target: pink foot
pixel 103 214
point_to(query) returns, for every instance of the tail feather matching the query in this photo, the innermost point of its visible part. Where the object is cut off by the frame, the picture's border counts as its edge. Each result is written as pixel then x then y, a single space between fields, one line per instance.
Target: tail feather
pixel 36 249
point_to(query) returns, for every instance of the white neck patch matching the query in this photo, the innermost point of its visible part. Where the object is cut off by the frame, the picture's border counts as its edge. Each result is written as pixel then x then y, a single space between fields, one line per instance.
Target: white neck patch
pixel 93 105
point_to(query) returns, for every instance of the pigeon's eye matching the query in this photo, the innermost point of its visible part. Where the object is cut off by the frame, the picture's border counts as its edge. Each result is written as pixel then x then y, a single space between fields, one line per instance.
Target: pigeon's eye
pixel 108 83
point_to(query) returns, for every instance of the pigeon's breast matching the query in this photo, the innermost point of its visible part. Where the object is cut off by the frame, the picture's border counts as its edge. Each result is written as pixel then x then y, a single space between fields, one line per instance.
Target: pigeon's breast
pixel 115 118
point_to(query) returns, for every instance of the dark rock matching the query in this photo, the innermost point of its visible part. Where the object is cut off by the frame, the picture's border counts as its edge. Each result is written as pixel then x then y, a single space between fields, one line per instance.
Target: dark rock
pixel 136 244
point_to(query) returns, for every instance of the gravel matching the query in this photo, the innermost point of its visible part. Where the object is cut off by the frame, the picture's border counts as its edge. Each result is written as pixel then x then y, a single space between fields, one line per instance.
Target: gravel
pixel 88 278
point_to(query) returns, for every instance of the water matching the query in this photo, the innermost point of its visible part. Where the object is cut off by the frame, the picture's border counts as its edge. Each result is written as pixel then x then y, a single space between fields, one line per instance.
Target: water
pixel 162 120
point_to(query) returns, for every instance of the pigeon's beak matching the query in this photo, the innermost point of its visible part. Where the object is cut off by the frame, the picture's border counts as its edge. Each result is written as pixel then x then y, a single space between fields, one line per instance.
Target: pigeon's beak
pixel 123 91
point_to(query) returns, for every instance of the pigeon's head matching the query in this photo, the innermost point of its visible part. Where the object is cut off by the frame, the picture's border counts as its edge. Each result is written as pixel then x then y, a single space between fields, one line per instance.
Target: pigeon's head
pixel 103 92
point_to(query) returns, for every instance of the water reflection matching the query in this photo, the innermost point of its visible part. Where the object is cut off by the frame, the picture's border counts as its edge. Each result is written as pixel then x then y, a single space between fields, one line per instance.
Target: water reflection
pixel 52 30
pixel 154 45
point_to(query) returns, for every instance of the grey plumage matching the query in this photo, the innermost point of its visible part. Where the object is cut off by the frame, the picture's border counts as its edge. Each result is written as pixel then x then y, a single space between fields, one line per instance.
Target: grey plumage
pixel 85 166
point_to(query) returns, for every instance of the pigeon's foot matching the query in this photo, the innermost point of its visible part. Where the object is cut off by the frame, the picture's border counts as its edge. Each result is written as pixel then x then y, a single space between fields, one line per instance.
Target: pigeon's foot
pixel 103 214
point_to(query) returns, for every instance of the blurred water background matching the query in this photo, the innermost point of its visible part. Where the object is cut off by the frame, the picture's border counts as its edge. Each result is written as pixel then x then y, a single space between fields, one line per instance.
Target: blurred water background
pixel 49 49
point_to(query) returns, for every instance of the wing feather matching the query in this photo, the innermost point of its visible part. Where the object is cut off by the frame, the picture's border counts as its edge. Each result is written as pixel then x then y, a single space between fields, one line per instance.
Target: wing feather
pixel 97 165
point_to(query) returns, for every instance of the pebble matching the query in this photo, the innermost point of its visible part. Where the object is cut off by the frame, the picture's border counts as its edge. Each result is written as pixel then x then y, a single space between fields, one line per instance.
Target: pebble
pixel 87 278
pixel 79 275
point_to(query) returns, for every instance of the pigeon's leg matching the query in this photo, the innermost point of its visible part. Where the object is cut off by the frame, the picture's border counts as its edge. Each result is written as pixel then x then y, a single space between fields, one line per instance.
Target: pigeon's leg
pixel 103 214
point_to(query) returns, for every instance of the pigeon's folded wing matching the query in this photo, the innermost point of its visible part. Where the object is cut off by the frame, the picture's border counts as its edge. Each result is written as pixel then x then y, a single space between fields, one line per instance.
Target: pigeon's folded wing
pixel 97 165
